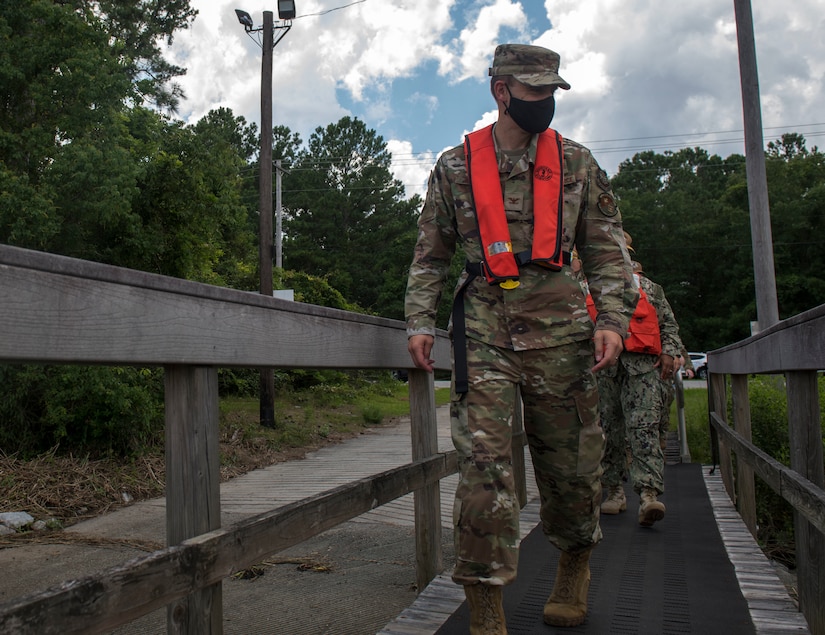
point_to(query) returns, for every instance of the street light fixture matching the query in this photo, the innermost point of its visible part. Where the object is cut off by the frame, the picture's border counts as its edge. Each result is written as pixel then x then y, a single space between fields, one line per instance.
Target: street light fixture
pixel 286 13
pixel 266 40
pixel 286 9
pixel 245 19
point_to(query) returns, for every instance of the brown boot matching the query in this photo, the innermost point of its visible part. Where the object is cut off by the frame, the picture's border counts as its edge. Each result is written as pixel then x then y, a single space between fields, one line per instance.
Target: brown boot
pixel 486 609
pixel 615 501
pixel 650 509
pixel 567 604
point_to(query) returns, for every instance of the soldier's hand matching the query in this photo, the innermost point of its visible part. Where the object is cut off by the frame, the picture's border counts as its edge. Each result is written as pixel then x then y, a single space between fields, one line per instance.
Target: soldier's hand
pixel 666 367
pixel 420 347
pixel 608 346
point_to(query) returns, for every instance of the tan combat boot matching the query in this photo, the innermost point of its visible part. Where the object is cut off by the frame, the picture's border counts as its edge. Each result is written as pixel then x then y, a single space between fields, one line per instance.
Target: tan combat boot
pixel 486 609
pixel 615 501
pixel 567 604
pixel 650 509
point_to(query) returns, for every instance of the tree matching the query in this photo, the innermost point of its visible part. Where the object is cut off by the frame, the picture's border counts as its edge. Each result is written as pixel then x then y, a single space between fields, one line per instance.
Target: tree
pixel 685 234
pixel 285 147
pixel 61 85
pixel 796 180
pixel 688 214
pixel 69 72
pixel 346 217
pixel 135 30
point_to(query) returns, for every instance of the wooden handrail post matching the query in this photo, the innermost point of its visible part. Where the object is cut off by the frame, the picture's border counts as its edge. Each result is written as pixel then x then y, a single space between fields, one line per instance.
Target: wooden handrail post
pixel 718 398
pixel 684 448
pixel 193 486
pixel 745 487
pixel 424 432
pixel 805 430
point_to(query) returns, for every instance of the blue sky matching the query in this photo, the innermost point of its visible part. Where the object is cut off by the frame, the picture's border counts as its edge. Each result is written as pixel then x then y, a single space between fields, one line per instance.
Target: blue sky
pixel 645 74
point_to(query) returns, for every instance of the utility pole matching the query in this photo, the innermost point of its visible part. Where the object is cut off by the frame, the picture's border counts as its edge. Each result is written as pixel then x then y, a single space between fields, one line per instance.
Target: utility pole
pixel 279 251
pixel 267 394
pixel 286 11
pixel 767 311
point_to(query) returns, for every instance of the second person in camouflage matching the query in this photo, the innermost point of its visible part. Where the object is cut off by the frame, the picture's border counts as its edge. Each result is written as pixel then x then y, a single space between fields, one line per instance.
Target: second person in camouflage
pixel 632 402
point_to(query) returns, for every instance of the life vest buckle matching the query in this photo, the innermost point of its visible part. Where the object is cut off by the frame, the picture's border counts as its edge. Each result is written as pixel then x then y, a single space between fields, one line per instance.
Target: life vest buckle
pixel 509 283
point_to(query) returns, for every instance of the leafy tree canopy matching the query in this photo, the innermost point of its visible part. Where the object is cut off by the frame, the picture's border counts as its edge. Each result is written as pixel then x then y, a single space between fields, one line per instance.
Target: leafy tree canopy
pixel 689 217
pixel 346 216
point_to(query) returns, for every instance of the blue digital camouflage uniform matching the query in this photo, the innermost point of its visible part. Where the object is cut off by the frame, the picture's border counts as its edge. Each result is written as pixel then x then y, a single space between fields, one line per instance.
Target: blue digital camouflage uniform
pixel 535 338
pixel 632 401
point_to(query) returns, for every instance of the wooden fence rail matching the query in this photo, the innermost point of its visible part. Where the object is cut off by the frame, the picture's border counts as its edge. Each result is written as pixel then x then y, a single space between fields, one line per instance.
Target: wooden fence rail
pixel 795 347
pixel 57 310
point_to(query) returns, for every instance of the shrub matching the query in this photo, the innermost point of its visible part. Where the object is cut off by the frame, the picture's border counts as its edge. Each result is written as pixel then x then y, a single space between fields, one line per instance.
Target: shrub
pixel 89 410
pixel 769 430
pixel 372 415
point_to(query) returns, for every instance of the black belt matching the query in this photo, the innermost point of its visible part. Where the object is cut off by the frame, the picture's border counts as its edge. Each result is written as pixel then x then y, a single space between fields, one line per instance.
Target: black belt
pixel 459 316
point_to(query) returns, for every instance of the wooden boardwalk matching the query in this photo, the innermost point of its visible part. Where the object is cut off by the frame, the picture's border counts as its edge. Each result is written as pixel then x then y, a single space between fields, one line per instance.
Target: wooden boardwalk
pixel 772 610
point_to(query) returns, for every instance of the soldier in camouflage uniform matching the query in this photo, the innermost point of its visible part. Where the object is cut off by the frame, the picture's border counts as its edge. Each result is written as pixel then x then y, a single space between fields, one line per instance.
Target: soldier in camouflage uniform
pixel 632 402
pixel 534 336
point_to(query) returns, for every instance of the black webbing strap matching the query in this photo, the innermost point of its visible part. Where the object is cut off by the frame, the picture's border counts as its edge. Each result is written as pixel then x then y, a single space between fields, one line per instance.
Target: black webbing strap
pixel 459 321
pixel 526 258
pixel 459 329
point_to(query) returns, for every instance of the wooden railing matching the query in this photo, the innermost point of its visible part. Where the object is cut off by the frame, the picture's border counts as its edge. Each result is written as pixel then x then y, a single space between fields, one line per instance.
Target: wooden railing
pixel 796 348
pixel 57 310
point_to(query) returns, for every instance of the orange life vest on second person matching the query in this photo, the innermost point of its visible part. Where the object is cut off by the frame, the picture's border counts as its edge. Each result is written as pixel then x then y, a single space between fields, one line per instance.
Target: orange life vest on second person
pixel 500 265
pixel 643 335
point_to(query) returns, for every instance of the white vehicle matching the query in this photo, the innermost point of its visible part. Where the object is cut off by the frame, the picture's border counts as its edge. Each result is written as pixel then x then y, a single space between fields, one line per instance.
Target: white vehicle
pixel 700 364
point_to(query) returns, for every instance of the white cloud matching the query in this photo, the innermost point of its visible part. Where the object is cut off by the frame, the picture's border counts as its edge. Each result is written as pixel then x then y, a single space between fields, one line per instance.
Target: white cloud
pixel 487 118
pixel 389 39
pixel 642 71
pixel 412 169
pixel 655 70
pixel 479 39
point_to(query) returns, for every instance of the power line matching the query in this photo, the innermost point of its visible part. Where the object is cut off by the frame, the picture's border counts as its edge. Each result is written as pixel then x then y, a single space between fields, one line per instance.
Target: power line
pixel 412 158
pixel 695 134
pixel 309 15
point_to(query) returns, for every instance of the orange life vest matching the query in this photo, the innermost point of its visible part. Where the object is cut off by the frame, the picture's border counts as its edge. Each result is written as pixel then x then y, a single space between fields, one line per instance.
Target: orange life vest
pixel 643 335
pixel 500 264
pixel 591 308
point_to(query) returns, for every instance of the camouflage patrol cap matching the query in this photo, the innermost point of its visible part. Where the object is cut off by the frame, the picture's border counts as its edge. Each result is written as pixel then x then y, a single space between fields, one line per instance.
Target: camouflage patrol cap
pixel 629 242
pixel 531 65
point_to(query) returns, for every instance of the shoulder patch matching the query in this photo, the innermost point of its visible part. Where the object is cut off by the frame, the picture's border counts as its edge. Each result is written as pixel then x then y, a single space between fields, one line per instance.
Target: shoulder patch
pixel 607 205
pixel 602 180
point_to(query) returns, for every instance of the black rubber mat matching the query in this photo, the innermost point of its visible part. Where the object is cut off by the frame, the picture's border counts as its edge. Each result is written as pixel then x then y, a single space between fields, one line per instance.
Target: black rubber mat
pixel 671 579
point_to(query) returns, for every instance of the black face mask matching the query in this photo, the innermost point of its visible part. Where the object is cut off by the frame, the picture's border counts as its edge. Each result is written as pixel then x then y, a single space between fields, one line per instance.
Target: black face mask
pixel 532 116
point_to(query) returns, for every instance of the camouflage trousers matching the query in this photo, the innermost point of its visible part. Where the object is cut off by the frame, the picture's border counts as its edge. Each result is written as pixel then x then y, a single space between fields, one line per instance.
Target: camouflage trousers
pixel 560 400
pixel 668 394
pixel 631 414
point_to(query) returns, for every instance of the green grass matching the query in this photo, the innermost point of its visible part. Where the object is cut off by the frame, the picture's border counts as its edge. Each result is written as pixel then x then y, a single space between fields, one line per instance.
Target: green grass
pixel 308 417
pixel 696 424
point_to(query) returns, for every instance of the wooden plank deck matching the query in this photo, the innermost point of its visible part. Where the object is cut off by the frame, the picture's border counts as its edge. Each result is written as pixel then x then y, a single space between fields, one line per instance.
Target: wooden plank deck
pixel 771 608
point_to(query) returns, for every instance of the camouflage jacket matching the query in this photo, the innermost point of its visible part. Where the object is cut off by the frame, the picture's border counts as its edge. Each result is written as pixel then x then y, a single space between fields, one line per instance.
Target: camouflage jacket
pixel 637 363
pixel 548 307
